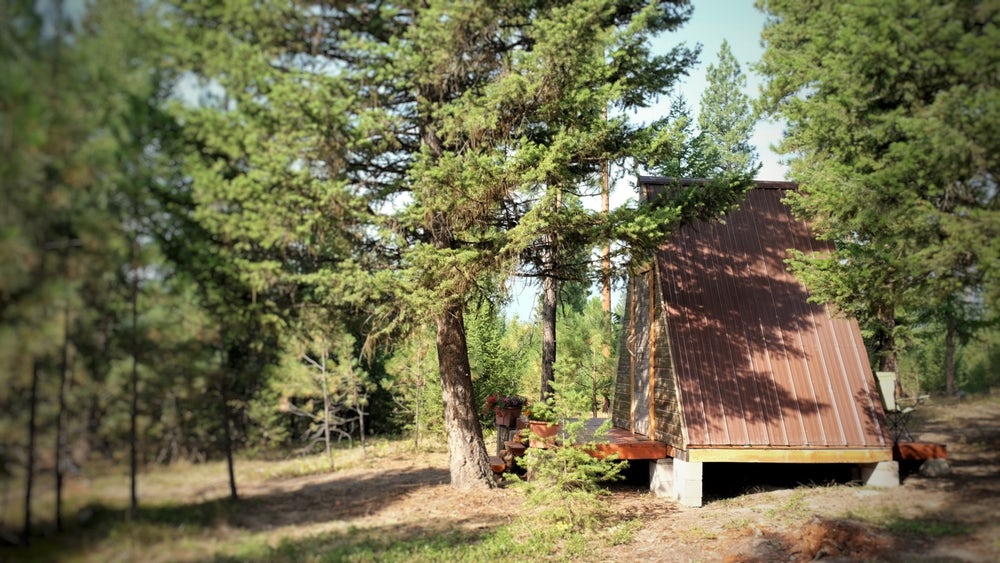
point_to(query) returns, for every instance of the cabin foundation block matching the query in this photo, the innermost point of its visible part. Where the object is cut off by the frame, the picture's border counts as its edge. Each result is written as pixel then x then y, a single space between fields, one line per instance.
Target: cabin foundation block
pixel 677 479
pixel 881 474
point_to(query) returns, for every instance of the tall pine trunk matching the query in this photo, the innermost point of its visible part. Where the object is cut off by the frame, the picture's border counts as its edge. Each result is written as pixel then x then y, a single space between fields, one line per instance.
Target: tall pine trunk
pixel 133 412
pixel 360 409
pixel 949 356
pixel 469 465
pixel 64 367
pixel 30 469
pixel 468 462
pixel 227 437
pixel 326 412
pixel 550 294
pixel 550 298
pixel 606 249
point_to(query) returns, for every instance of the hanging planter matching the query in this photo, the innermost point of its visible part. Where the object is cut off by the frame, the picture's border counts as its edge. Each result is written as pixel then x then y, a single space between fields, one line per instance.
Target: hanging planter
pixel 507 408
pixel 507 416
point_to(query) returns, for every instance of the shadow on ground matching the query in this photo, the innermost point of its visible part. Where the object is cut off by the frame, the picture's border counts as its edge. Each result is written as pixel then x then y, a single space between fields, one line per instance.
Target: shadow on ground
pixel 298 501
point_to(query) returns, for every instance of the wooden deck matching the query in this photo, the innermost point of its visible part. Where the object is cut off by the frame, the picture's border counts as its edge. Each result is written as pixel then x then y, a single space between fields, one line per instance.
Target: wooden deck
pixel 627 445
pixel 632 446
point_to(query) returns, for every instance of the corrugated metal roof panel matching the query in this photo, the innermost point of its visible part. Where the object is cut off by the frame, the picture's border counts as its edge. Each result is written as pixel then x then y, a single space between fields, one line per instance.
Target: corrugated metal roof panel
pixel 756 363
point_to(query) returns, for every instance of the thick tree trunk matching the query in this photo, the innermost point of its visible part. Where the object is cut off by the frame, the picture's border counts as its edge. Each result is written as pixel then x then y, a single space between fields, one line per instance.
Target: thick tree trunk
pixel 550 294
pixel 468 463
pixel 605 255
pixel 550 298
pixel 606 250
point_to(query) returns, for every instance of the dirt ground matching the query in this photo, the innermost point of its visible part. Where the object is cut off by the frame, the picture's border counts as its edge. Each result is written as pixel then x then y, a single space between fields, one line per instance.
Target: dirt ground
pixel 751 513
pixel 954 517
pixel 766 518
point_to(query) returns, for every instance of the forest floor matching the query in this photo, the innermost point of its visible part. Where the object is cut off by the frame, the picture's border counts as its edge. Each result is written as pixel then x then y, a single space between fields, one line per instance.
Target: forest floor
pixel 396 505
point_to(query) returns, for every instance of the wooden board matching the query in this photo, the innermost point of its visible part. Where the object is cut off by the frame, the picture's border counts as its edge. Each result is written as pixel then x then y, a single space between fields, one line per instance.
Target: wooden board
pixel 497 464
pixel 785 455
pixel 648 449
pixel 628 445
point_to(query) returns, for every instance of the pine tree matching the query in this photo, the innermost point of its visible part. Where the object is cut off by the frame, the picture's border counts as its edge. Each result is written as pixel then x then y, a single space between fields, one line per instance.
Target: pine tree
pixel 63 109
pixel 675 148
pixel 469 125
pixel 586 365
pixel 888 117
pixel 412 379
pixel 726 117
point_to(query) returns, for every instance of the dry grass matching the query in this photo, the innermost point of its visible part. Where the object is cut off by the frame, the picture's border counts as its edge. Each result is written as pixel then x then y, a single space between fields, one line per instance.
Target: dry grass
pixel 394 504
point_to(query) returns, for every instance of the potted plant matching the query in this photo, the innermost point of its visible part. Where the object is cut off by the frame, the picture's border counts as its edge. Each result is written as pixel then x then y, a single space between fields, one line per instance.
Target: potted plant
pixel 543 423
pixel 507 408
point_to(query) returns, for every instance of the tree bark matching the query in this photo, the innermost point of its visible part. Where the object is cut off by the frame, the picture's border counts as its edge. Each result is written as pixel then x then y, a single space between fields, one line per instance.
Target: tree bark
pixel 550 298
pixel 30 469
pixel 949 356
pixel 326 412
pixel 227 437
pixel 468 463
pixel 133 412
pixel 64 367
pixel 550 294
pixel 360 409
pixel 605 254
pixel 606 249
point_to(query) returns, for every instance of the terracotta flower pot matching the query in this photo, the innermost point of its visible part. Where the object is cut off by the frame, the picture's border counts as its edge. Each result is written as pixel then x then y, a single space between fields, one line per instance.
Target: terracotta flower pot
pixel 543 434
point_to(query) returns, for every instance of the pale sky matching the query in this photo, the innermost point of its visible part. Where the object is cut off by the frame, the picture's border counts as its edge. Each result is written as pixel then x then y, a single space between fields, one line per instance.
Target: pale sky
pixel 738 22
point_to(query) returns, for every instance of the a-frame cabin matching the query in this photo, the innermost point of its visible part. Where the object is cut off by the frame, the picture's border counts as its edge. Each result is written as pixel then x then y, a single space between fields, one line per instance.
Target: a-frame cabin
pixel 724 359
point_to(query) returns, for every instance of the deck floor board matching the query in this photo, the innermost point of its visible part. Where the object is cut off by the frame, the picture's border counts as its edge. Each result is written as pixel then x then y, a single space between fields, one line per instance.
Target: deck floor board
pixel 628 445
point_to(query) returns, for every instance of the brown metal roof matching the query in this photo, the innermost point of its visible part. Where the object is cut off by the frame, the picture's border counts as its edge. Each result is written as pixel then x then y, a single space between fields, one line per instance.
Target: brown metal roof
pixel 756 363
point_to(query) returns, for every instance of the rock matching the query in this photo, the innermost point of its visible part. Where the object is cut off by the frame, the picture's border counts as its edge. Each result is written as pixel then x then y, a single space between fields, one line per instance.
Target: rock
pixel 935 468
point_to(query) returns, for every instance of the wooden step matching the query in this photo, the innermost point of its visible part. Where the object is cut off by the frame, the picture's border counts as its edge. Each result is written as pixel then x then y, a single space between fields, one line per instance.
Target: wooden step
pixel 497 464
pixel 516 448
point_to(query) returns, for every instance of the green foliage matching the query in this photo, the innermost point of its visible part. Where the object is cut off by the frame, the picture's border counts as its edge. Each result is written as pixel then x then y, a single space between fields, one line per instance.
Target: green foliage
pixel 563 486
pixel 886 112
pixel 412 381
pixel 976 364
pixel 496 364
pixel 726 118
pixel 674 148
pixel 543 411
pixel 318 393
pixel 298 145
pixel 588 354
